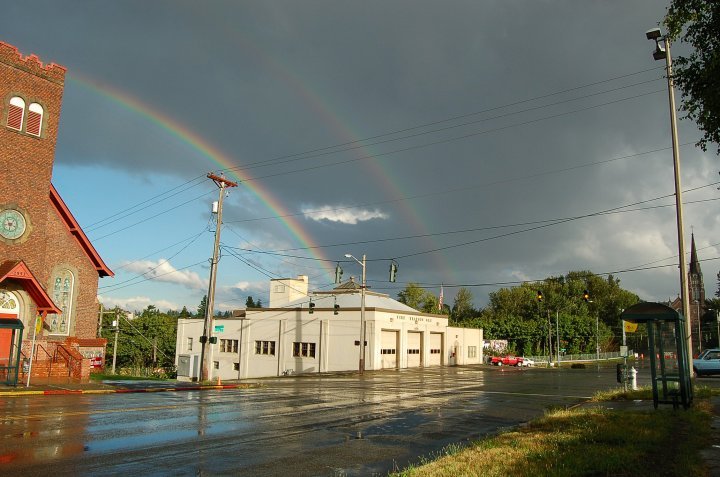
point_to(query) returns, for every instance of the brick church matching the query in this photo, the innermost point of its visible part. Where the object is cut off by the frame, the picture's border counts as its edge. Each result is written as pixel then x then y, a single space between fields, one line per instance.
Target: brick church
pixel 49 270
pixel 698 314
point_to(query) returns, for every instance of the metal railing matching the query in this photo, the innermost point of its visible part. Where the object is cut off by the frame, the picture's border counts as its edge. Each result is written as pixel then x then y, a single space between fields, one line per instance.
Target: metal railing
pixel 71 362
pixel 575 358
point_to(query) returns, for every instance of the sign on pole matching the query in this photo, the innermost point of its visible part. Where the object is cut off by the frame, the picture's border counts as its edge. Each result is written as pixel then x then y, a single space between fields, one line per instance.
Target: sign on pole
pixel 630 327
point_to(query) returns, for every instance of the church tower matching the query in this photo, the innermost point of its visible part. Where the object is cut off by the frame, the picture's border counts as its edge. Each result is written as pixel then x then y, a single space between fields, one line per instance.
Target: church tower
pixel 695 278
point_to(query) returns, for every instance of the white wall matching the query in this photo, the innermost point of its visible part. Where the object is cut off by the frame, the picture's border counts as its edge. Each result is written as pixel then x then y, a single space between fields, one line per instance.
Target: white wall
pixel 334 337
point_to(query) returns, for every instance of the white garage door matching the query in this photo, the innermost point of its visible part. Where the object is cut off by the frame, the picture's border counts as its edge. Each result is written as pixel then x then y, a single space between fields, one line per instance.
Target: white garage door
pixel 414 349
pixel 435 349
pixel 388 349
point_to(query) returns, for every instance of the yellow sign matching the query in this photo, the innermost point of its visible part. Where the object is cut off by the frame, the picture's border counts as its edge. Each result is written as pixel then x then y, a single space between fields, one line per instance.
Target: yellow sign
pixel 38 324
pixel 630 327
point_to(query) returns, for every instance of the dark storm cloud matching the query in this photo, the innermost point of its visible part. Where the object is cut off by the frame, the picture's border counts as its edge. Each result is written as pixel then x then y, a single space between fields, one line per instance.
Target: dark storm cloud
pixel 264 80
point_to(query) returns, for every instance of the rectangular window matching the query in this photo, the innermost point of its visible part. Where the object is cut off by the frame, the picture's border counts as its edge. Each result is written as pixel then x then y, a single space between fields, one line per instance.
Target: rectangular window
pixel 265 347
pixel 228 346
pixel 472 351
pixel 434 351
pixel 413 351
pixel 303 350
pixel 189 344
pixel 216 364
pixel 236 366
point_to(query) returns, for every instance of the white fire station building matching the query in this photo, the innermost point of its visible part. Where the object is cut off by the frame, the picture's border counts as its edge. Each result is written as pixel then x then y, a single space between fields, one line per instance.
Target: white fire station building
pixel 292 336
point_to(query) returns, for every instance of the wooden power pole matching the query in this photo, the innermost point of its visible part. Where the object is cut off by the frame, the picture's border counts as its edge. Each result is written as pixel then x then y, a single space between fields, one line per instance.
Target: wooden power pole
pixel 206 339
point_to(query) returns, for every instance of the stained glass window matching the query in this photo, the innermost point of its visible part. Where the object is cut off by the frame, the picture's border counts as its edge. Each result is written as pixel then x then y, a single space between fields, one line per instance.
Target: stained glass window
pixel 62 294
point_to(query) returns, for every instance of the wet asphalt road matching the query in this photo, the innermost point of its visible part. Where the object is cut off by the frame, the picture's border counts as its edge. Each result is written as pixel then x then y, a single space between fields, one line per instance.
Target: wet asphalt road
pixel 340 425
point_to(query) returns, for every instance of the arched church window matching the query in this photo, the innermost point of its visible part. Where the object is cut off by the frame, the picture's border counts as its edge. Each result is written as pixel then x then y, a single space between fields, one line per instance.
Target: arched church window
pixel 16 112
pixel 34 119
pixel 62 293
pixel 9 305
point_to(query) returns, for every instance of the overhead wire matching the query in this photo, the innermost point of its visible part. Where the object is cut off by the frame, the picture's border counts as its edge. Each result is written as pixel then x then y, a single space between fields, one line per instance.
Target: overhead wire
pixel 309 153
pixel 132 210
pixel 541 223
pixel 463 188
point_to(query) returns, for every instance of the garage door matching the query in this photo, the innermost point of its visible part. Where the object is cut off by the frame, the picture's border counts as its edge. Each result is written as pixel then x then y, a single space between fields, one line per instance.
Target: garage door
pixel 414 349
pixel 435 350
pixel 388 349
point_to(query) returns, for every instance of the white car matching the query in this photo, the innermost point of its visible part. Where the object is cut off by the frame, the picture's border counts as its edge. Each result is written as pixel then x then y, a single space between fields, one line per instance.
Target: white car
pixel 528 362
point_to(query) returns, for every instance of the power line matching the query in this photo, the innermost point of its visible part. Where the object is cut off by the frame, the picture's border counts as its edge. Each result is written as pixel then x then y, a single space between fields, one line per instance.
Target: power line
pixel 131 210
pixel 448 140
pixel 152 217
pixel 463 188
pixel 95 225
pixel 539 223
pixel 309 153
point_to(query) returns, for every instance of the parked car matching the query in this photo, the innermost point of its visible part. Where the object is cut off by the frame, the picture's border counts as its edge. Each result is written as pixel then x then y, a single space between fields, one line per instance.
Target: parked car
pixel 506 361
pixel 527 362
pixel 708 362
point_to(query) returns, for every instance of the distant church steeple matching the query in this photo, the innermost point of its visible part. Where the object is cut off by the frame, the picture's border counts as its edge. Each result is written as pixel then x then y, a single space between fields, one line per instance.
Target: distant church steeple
pixel 695 277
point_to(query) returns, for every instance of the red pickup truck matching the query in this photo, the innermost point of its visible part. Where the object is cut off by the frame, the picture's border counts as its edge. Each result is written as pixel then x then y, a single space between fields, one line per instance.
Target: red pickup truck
pixel 506 361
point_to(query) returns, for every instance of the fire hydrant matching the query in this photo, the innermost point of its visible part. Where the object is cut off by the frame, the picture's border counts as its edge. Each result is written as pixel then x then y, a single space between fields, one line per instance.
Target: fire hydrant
pixel 633 377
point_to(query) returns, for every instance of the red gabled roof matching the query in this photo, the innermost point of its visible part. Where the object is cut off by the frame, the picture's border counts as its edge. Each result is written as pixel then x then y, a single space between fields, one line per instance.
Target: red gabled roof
pixel 77 232
pixel 17 270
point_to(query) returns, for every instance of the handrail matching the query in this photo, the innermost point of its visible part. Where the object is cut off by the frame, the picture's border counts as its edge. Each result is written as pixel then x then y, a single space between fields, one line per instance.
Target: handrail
pixel 72 362
pixel 38 346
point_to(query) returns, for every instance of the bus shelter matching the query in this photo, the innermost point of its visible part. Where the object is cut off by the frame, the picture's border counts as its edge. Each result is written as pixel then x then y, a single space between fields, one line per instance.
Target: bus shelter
pixel 11 332
pixel 668 352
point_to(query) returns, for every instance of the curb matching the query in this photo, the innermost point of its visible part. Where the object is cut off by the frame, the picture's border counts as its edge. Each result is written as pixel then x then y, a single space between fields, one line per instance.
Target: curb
pixel 56 392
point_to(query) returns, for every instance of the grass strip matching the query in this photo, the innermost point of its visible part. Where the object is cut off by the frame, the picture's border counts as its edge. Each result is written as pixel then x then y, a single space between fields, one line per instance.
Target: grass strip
pixel 586 441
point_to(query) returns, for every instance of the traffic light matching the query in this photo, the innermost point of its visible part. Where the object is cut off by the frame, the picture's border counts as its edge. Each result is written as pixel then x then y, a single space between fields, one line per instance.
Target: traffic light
pixel 311 307
pixel 393 271
pixel 539 295
pixel 338 273
pixel 586 295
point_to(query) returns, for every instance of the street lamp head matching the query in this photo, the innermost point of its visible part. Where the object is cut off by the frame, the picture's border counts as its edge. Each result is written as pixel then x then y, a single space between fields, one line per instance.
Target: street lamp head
pixel 659 53
pixel 348 255
pixel 656 36
pixel 653 34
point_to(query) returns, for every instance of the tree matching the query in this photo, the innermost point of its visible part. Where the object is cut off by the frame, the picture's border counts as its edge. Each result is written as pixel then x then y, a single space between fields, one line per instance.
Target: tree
pixel 462 305
pixel 250 303
pixel 516 314
pixel 413 296
pixel 202 307
pixel 184 313
pixel 717 293
pixel 697 23
pixel 147 341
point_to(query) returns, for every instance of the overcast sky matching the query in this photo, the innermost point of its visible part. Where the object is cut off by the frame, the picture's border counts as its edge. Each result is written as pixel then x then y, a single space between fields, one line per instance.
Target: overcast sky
pixel 447 135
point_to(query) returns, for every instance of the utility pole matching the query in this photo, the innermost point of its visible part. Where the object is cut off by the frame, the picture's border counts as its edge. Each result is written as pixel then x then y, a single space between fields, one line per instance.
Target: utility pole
pixel 206 338
pixel 117 331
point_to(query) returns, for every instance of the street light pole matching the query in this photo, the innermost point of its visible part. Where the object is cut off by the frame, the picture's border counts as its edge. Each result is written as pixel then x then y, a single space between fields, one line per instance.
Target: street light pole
pixel 659 54
pixel 597 340
pixel 557 331
pixel 361 363
pixel 697 303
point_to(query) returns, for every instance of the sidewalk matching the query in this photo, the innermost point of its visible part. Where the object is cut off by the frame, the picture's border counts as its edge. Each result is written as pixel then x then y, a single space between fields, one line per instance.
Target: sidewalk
pixel 60 386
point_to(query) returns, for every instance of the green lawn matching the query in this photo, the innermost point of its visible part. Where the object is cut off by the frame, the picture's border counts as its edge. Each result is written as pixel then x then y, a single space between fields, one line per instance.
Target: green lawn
pixel 587 441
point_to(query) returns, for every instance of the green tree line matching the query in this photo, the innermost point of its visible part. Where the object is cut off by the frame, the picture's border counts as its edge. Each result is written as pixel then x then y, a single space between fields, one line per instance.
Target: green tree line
pixel 517 315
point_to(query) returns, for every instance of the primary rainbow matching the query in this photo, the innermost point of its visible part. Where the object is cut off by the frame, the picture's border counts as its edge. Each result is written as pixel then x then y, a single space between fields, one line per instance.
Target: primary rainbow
pixel 211 152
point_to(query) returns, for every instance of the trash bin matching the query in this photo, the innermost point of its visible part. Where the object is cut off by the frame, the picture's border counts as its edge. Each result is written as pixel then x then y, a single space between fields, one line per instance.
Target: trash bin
pixel 621 371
